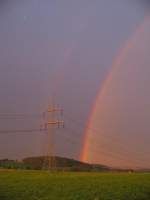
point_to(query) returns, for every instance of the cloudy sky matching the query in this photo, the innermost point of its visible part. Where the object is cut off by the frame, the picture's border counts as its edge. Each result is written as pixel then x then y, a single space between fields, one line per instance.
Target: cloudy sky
pixel 63 49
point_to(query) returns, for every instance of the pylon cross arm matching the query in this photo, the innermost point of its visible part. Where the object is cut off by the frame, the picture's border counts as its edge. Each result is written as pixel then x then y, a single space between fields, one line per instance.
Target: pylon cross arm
pixel 56 122
pixel 55 110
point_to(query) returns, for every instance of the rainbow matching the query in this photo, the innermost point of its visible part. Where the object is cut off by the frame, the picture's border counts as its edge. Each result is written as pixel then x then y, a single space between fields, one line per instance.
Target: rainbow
pixel 116 64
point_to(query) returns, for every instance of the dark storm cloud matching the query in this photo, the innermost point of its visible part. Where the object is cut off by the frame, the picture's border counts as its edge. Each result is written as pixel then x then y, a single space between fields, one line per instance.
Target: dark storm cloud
pixel 140 5
pixel 144 3
pixel 4 2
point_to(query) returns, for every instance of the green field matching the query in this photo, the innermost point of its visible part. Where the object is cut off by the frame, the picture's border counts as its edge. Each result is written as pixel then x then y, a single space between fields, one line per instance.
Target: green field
pixel 36 185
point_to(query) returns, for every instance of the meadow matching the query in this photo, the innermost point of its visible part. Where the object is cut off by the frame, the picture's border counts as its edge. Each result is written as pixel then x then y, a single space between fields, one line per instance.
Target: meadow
pixel 42 185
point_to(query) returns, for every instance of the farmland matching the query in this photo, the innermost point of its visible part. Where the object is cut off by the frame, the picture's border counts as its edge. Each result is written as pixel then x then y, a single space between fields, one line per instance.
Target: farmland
pixel 42 185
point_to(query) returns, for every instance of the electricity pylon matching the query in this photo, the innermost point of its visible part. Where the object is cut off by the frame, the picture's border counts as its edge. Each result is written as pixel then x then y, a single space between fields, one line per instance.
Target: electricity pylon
pixel 54 120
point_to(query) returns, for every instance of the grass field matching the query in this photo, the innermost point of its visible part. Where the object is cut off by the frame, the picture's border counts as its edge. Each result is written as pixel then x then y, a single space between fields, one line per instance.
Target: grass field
pixel 36 185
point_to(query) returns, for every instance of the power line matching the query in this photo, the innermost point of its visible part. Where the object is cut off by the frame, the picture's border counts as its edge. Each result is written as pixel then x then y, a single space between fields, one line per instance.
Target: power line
pixel 21 131
pixel 19 116
pixel 106 138
pixel 109 154
pixel 76 133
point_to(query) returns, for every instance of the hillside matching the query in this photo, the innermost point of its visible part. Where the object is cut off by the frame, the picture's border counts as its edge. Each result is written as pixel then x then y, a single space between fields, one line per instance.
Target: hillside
pixel 60 163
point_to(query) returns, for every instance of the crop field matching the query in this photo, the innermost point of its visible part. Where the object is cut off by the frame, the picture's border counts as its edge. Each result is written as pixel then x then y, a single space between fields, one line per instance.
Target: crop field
pixel 39 185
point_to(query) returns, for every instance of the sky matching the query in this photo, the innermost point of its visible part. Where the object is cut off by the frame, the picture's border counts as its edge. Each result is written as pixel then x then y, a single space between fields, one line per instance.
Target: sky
pixel 60 49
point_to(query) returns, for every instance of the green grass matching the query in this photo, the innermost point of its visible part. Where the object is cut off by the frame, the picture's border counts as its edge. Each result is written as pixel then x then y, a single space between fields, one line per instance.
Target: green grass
pixel 36 185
